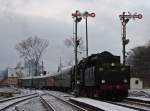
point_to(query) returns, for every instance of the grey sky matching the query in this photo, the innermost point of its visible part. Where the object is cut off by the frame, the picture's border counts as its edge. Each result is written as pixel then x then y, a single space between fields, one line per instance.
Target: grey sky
pixel 51 19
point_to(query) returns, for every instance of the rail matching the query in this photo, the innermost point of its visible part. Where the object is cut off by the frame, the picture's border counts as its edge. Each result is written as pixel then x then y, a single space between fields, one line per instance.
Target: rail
pixel 12 98
pixel 69 103
pixel 7 104
pixel 47 105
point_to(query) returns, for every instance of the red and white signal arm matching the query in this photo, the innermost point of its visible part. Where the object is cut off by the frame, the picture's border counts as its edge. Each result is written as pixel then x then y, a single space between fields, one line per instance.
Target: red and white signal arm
pixel 92 14
pixel 140 16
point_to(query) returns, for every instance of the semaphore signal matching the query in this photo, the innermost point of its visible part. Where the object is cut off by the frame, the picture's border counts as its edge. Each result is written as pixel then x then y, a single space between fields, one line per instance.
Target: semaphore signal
pixel 130 16
pixel 124 20
pixel 83 14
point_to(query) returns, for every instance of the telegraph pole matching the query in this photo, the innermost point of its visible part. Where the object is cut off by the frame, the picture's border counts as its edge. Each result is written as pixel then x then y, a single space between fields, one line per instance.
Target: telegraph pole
pixel 78 18
pixel 124 20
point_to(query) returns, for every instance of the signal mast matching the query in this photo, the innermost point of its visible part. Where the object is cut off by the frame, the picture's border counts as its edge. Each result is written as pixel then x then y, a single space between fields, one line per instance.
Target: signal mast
pixel 124 20
pixel 86 15
pixel 78 18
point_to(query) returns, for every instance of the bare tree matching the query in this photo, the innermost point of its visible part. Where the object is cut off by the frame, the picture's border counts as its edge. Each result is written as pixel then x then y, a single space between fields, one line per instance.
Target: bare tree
pixel 19 69
pixel 139 60
pixel 32 49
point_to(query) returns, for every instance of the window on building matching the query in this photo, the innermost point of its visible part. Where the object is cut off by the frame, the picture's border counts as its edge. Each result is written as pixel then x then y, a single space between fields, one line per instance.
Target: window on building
pixel 136 82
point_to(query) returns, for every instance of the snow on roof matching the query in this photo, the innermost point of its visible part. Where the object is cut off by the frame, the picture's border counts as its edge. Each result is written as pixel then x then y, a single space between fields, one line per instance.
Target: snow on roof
pixel 43 76
pixel 26 77
pixel 67 67
pixel 64 70
pixel 102 105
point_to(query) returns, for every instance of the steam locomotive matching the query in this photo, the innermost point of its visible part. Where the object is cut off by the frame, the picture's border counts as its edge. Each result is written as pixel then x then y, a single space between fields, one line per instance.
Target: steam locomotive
pixel 99 75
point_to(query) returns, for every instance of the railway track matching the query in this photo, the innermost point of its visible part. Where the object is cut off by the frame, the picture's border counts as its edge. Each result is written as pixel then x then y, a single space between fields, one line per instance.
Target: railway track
pixel 54 103
pixel 128 103
pixel 7 103
pixel 13 98
pixel 62 95
pixel 48 106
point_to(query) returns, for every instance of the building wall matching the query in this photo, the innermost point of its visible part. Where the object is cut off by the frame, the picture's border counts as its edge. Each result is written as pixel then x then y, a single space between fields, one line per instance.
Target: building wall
pixel 11 72
pixel 4 82
pixel 10 81
pixel 136 83
pixel 13 81
pixel 146 83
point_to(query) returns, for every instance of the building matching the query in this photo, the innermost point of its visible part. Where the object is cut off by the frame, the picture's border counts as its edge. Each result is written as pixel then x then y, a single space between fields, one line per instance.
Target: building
pixel 9 77
pixel 3 77
pixel 12 78
pixel 136 83
pixel 30 69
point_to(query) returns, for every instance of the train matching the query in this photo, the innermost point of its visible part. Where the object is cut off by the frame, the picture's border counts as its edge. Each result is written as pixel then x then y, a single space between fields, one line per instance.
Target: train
pixel 99 75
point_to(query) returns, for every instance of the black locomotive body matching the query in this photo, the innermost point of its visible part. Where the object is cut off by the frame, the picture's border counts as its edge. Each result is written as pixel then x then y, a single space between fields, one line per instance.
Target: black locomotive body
pixel 102 75
pixel 99 75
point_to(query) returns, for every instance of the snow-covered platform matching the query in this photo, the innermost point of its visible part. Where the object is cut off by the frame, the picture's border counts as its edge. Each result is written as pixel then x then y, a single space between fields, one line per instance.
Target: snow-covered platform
pixel 99 105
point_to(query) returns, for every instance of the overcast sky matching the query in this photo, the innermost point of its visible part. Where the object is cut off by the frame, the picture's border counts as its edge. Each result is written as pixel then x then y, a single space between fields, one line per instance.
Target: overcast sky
pixel 52 20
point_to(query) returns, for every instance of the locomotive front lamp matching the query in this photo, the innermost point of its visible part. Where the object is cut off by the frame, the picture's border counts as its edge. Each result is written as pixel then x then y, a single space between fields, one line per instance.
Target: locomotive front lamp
pixel 103 81
pixel 78 82
pixel 101 69
pixel 112 64
pixel 123 69
pixel 125 81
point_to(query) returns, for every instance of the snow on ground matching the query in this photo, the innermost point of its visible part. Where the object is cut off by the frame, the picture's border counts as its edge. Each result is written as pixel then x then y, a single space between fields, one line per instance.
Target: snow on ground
pixel 26 91
pixel 140 94
pixel 40 92
pixel 57 104
pixel 29 105
pixel 62 95
pixel 102 105
pixel 36 105
pixel 14 101
pixel 16 92
pixel 8 89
